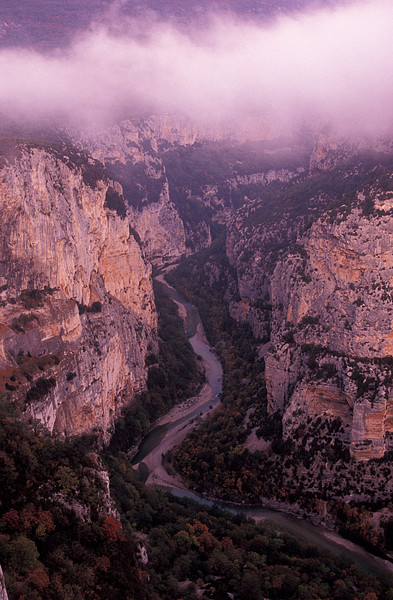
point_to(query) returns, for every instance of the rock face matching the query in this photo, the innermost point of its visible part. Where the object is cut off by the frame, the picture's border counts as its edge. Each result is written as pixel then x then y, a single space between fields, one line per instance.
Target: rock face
pixel 159 226
pixel 178 129
pixel 258 235
pixel 332 325
pixel 130 152
pixel 78 314
pixel 174 218
pixel 314 281
pixel 3 591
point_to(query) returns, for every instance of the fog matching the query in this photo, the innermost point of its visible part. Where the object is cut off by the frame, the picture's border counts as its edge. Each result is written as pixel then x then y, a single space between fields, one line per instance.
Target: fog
pixel 330 65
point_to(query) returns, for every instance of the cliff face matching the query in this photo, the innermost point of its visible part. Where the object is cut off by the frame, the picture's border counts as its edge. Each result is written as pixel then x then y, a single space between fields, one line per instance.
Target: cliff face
pixel 130 152
pixel 161 229
pixel 77 313
pixel 332 326
pixel 3 591
pixel 178 176
pixel 314 276
pixel 258 235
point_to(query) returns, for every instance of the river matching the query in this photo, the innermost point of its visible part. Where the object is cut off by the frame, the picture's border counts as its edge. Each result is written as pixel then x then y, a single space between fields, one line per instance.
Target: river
pixel 171 429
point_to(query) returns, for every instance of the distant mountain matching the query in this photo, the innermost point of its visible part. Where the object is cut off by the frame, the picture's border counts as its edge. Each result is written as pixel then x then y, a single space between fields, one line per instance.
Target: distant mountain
pixel 44 25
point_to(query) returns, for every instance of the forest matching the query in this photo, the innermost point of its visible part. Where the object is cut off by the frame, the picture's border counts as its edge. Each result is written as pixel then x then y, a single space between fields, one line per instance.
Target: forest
pixel 64 535
pixel 62 539
pixel 313 469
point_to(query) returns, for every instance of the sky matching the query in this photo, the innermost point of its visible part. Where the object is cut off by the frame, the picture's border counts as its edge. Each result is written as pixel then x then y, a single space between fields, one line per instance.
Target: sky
pixel 332 66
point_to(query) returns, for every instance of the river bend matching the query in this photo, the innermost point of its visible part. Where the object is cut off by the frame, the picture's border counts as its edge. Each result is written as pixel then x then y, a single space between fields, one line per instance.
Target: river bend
pixel 171 429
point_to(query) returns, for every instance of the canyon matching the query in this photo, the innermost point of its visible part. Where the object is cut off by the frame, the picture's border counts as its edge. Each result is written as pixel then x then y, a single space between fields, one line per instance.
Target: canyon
pixel 289 238
pixel 196 293
pixel 77 308
pixel 86 219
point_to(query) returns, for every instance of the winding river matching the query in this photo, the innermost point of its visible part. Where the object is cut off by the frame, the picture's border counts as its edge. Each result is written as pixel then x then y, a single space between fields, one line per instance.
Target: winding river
pixel 173 427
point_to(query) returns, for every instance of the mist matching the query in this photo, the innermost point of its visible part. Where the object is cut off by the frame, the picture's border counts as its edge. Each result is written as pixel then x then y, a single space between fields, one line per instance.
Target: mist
pixel 334 66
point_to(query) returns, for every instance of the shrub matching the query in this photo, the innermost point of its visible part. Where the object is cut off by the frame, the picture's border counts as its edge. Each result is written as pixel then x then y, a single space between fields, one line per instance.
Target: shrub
pixel 115 202
pixel 41 388
pixel 96 307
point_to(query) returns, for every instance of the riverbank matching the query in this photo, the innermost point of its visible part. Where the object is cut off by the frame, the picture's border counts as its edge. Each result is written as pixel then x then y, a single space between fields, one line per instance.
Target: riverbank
pixel 181 426
pixel 173 427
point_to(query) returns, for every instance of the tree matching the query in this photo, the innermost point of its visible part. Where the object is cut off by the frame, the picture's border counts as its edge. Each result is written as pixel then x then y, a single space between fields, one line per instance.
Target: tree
pixel 24 555
pixel 113 530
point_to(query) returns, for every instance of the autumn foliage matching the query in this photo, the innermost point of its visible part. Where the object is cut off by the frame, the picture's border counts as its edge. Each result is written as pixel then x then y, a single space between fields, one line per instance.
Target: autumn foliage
pixel 113 530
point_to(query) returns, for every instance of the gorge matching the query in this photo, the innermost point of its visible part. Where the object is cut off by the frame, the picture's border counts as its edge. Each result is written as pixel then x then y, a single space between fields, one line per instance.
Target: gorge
pixel 285 250
pixel 196 296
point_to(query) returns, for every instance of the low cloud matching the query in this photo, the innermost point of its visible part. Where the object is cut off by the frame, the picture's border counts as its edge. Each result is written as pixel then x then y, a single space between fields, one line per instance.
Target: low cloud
pixel 329 65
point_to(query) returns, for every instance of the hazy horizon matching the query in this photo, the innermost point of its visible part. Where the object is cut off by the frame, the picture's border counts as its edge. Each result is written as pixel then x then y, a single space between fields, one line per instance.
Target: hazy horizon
pixel 330 65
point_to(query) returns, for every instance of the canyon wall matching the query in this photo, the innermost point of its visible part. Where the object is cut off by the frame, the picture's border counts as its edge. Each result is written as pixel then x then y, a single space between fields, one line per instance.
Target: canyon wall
pixel 77 312
pixel 332 325
pixel 131 153
pixel 178 176
pixel 314 275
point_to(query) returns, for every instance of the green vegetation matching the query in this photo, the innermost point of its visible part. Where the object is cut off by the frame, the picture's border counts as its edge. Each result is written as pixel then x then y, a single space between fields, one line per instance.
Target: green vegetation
pixel 22 321
pixel 310 467
pixel 92 170
pixel 276 214
pixel 12 378
pixel 40 389
pixel 115 202
pixel 195 166
pixel 34 298
pixel 139 187
pixel 58 542
pixel 213 163
pixel 174 375
pixel 191 168
pixel 56 538
pixel 213 457
pixel 220 553
pixel 95 307
pixel 295 197
pixel 59 536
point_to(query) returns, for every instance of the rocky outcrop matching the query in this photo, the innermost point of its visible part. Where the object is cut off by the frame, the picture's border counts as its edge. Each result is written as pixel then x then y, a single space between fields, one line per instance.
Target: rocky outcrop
pixel 179 129
pixel 78 314
pixel 264 178
pixel 258 235
pixel 314 279
pixel 159 226
pixel 130 152
pixel 3 591
pixel 332 325
pixel 331 150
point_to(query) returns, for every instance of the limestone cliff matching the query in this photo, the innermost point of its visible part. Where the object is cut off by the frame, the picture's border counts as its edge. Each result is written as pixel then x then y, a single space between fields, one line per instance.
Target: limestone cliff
pixel 332 324
pixel 179 129
pixel 129 151
pixel 258 235
pixel 161 229
pixel 3 590
pixel 178 176
pixel 77 313
pixel 313 267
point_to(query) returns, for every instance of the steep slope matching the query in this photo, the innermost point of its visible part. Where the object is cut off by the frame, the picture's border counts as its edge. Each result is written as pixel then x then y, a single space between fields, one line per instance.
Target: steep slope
pixel 130 154
pixel 313 271
pixel 77 309
pixel 179 177
pixel 332 324
pixel 307 265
